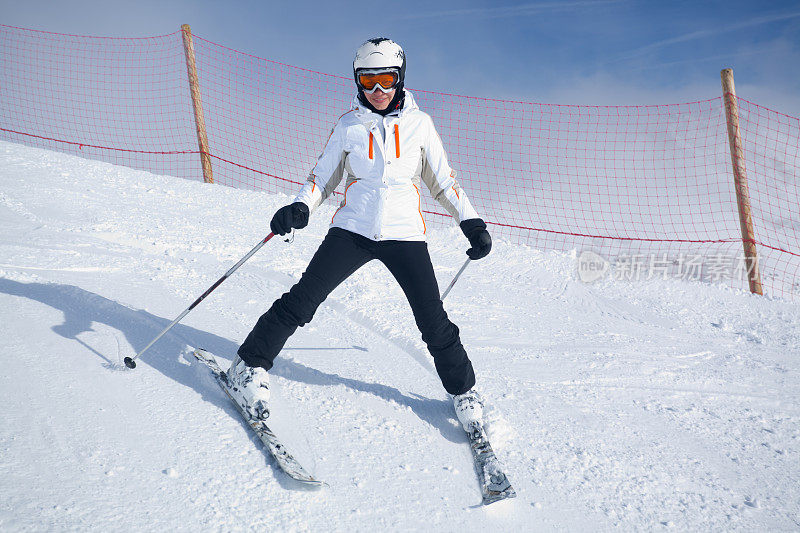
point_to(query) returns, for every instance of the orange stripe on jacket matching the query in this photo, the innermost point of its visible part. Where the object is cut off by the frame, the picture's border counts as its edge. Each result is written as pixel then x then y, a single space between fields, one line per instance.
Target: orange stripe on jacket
pixel 370 145
pixel 397 141
pixel 344 202
pixel 424 226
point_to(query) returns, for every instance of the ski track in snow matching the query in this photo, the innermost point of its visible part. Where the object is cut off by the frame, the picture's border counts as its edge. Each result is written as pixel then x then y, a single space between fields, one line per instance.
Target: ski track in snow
pixel 635 406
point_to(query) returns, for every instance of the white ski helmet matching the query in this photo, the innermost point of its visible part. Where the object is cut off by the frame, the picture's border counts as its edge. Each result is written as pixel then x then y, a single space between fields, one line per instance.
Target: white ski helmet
pixel 380 53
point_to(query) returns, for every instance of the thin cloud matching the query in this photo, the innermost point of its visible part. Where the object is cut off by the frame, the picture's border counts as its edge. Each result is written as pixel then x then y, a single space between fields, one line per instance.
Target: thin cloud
pixel 703 34
pixel 695 60
pixel 511 11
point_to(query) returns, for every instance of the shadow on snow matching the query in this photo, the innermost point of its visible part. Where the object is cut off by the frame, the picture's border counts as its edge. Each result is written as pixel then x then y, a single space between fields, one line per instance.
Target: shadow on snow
pixel 81 308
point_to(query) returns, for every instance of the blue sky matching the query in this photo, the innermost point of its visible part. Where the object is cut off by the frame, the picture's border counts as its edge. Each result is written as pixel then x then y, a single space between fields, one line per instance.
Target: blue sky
pixel 588 52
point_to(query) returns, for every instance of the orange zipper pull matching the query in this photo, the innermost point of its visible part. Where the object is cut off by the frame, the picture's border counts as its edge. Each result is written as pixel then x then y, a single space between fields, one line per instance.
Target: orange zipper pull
pixel 370 145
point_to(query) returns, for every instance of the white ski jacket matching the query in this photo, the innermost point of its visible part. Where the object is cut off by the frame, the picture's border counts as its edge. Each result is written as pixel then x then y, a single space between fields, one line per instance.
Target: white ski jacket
pixel 382 190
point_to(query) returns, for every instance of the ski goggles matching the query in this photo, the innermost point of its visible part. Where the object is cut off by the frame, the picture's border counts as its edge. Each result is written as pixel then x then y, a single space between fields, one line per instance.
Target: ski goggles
pixel 372 80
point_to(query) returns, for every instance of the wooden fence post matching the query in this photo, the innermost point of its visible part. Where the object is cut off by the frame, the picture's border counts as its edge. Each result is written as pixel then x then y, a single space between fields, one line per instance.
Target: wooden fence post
pixel 740 180
pixel 197 104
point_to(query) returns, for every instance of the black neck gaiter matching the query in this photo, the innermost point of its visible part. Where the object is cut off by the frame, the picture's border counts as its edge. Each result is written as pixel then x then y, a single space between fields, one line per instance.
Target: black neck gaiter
pixel 396 103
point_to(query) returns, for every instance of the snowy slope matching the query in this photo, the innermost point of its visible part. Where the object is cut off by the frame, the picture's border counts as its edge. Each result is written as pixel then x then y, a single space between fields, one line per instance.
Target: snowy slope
pixel 639 406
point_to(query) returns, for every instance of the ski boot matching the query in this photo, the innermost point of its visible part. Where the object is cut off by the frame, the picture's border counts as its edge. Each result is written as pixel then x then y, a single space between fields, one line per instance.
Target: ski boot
pixel 469 408
pixel 249 385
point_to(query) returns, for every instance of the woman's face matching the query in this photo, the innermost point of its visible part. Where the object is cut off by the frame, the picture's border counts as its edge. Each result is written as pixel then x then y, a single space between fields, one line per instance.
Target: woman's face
pixel 379 99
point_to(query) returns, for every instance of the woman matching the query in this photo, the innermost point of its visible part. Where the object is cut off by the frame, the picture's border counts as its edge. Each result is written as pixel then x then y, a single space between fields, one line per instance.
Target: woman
pixel 384 147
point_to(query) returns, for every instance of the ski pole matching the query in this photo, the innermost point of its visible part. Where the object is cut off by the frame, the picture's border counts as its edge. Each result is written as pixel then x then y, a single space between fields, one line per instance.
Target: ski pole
pixel 130 362
pixel 458 275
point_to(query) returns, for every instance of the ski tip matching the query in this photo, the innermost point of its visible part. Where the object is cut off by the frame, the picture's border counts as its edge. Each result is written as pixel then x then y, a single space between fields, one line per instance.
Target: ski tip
pixel 311 482
pixel 201 352
pixel 488 500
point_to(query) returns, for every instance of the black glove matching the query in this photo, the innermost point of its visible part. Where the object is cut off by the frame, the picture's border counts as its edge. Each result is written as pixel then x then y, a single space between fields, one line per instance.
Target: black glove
pixel 475 230
pixel 288 217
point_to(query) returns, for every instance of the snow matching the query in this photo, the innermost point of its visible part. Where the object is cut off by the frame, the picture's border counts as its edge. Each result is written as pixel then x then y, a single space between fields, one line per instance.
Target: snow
pixel 649 405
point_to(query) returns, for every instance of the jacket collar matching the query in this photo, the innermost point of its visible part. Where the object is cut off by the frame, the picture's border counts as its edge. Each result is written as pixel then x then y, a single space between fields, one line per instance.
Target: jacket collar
pixel 364 114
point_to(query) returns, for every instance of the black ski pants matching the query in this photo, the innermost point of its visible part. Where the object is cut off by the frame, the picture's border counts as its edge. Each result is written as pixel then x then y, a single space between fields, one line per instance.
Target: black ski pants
pixel 341 253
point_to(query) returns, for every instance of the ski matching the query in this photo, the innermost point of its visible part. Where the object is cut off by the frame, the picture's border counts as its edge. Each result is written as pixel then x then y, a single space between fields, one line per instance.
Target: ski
pixel 495 486
pixel 286 461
